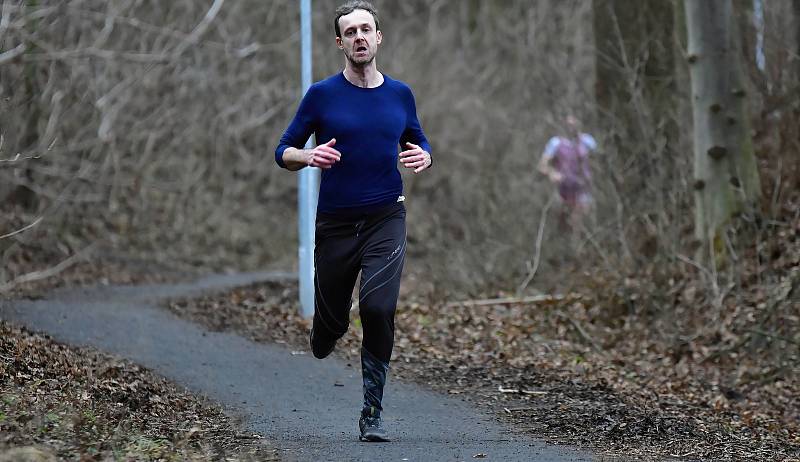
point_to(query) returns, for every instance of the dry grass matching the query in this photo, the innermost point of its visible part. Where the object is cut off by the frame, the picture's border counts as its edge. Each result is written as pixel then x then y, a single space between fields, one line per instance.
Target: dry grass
pixel 77 404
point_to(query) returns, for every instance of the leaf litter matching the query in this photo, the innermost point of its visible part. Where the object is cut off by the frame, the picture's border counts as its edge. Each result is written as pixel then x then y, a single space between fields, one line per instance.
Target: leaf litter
pixel 66 403
pixel 592 371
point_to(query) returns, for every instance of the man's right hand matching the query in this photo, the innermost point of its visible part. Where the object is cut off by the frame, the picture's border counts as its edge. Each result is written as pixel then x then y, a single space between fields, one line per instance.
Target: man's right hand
pixel 323 156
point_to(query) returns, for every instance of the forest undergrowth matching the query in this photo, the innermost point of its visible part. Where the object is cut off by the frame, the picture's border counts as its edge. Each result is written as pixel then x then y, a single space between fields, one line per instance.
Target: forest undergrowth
pixel 655 365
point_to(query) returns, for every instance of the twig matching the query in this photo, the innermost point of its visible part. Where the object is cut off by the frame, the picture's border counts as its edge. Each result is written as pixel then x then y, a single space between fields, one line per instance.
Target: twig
pixel 200 29
pixel 12 53
pixel 534 392
pixel 22 230
pixel 714 355
pixel 534 299
pixel 746 339
pixel 44 274
pixel 691 262
pixel 5 17
pixel 538 253
pixel 524 392
pixel 517 409
pixel 711 277
pixel 771 335
pixel 19 157
pixel 771 377
pixel 507 390
pixel 582 332
pixel 777 104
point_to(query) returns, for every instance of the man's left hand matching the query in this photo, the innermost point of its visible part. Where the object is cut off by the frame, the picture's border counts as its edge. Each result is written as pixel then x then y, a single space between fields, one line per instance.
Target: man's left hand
pixel 415 157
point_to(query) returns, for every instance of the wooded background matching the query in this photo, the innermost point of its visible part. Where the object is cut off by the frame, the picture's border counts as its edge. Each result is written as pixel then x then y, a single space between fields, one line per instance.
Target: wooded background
pixel 148 128
pixel 143 131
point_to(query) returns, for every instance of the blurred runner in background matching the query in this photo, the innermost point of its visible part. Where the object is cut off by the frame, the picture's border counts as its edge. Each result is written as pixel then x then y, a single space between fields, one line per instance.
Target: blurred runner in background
pixel 565 161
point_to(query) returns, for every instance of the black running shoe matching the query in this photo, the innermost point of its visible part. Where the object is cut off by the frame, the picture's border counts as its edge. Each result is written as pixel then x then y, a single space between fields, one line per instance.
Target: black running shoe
pixel 371 428
pixel 319 348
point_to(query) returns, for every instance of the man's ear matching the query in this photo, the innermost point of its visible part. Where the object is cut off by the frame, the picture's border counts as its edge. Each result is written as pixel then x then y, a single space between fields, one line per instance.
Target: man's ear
pixel 380 37
pixel 339 43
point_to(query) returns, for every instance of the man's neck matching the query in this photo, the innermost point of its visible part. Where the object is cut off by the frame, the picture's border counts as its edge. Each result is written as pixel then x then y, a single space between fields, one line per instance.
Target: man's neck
pixel 366 76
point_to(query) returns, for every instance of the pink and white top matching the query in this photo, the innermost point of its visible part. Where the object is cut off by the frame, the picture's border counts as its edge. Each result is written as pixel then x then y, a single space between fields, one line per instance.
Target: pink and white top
pixel 570 158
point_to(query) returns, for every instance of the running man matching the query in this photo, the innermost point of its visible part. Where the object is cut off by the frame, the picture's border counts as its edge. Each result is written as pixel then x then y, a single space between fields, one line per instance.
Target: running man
pixel 565 161
pixel 361 116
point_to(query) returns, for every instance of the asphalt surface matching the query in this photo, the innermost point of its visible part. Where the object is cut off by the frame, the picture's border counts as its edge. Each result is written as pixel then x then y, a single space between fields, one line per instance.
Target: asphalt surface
pixel 308 408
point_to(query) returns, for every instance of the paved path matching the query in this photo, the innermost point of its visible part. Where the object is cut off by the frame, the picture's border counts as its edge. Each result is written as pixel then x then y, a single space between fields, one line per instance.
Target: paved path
pixel 307 407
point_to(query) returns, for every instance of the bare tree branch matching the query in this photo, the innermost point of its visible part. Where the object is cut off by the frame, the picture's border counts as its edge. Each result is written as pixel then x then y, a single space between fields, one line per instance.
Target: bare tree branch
pixel 5 17
pixel 12 53
pixel 18 157
pixel 595 346
pixel 22 230
pixel 200 29
pixel 538 252
pixel 44 274
pixel 532 300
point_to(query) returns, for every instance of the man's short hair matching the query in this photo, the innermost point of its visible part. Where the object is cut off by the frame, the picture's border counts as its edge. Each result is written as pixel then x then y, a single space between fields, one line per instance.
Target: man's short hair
pixel 351 6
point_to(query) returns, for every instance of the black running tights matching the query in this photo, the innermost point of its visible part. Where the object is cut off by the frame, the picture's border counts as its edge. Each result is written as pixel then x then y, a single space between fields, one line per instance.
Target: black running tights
pixel 375 245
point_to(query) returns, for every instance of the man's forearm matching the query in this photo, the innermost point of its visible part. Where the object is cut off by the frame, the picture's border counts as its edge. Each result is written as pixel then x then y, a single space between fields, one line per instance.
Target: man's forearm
pixel 295 159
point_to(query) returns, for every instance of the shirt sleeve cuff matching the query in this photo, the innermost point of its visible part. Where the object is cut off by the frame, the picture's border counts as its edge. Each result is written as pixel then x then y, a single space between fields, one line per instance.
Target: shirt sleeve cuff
pixel 279 156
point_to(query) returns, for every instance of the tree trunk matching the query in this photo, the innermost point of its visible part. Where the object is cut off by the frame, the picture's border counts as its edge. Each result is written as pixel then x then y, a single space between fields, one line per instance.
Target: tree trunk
pixel 725 174
pixel 796 8
pixel 745 14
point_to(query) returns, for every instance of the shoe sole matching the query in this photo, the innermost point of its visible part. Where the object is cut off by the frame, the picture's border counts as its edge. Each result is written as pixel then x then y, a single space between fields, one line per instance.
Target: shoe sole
pixel 323 356
pixel 374 439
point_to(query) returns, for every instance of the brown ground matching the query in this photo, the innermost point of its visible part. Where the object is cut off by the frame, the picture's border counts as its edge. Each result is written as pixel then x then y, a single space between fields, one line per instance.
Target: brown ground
pixel 653 366
pixel 77 404
pixel 563 372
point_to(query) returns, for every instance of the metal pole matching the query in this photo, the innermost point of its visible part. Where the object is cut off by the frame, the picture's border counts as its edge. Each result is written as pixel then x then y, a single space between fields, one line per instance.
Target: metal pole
pixel 308 182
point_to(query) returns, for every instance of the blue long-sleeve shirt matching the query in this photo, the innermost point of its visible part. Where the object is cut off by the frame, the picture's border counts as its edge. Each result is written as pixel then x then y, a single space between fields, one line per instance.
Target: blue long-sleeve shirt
pixel 369 124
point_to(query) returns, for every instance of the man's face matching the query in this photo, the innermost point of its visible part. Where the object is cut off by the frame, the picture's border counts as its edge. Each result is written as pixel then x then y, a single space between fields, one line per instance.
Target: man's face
pixel 359 39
